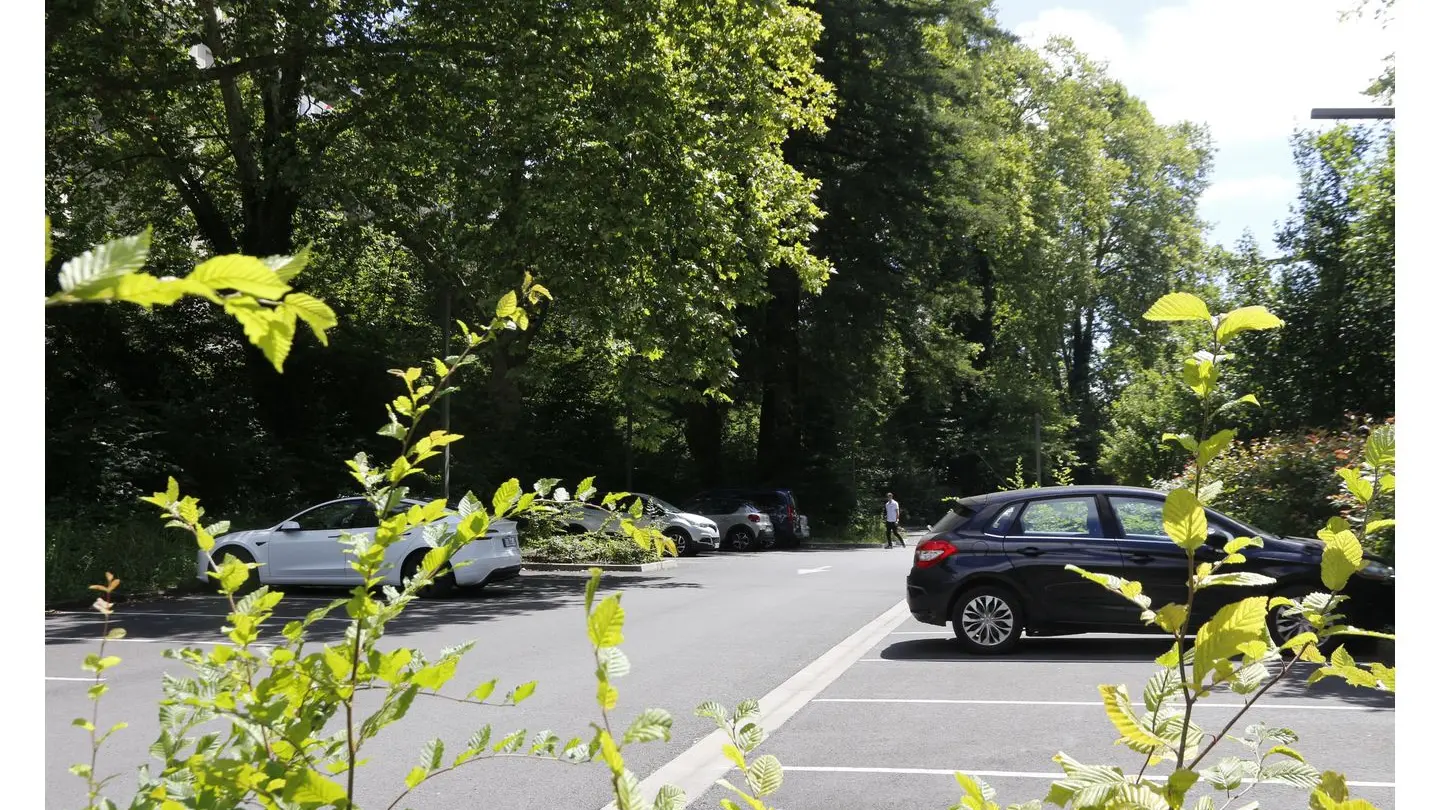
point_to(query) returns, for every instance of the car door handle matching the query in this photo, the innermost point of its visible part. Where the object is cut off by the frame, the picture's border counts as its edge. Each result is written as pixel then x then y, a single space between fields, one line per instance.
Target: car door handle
pixel 1141 557
pixel 335 536
pixel 1030 551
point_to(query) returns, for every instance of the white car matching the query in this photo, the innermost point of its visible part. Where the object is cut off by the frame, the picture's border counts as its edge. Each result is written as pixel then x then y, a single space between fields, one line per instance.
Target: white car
pixel 690 533
pixel 306 550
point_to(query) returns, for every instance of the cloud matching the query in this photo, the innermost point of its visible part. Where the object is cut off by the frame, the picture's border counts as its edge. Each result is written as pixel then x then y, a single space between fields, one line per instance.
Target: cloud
pixel 1251 69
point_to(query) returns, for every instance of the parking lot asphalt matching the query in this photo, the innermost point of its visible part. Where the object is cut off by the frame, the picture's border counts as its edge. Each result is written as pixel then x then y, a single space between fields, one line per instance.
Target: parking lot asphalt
pixel 865 706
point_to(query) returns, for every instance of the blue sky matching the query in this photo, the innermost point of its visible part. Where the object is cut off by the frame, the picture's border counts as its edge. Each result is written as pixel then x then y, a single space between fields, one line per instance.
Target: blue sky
pixel 1251 69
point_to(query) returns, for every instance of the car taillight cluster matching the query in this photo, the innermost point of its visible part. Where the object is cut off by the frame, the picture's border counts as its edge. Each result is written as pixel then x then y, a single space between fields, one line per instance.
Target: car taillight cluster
pixel 931 552
pixel 790 513
pixel 753 518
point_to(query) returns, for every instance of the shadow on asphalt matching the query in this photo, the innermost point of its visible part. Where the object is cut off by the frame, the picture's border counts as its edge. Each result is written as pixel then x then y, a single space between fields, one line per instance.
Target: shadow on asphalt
pixel 1140 649
pixel 1037 650
pixel 200 618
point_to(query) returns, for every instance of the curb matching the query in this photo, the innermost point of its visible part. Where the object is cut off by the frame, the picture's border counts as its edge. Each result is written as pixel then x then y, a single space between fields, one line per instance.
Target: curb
pixel 650 566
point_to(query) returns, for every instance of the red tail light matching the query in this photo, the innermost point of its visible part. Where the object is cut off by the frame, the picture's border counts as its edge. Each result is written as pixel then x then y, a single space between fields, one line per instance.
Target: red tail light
pixel 790 512
pixel 931 552
pixel 753 518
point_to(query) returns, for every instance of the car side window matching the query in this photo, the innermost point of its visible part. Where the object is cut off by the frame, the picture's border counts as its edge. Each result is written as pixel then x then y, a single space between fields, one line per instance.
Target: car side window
pixel 330 517
pixel 1144 519
pixel 1141 518
pixel 1001 524
pixel 1063 517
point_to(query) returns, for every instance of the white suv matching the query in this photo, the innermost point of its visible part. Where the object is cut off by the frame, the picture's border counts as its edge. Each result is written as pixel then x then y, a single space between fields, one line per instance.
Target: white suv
pixel 690 533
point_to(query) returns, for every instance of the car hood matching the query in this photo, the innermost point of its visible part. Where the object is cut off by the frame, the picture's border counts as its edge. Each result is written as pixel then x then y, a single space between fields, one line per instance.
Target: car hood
pixel 1305 546
pixel 692 519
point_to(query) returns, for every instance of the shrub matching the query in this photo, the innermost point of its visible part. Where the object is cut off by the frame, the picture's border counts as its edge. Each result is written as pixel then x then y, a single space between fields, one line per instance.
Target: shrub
pixel 590 547
pixel 1286 483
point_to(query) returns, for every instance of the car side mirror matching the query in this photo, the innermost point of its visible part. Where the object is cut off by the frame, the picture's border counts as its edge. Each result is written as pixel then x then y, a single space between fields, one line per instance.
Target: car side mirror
pixel 289 526
pixel 1217 539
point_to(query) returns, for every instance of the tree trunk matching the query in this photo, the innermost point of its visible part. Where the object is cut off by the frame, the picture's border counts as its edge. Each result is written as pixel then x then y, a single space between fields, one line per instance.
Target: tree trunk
pixel 704 434
pixel 778 453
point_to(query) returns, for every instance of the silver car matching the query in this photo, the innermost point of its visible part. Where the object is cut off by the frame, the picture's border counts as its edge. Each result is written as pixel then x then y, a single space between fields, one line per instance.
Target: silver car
pixel 689 532
pixel 742 525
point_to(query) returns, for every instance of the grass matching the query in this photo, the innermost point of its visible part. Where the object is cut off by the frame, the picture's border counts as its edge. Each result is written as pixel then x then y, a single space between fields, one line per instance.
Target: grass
pixel 146 557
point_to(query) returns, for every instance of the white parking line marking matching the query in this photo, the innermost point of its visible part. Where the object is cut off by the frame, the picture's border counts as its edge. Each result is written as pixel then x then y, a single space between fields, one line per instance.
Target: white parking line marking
pixel 80 615
pixel 697 769
pixel 180 641
pixel 986 774
pixel 921 633
pixel 1098 703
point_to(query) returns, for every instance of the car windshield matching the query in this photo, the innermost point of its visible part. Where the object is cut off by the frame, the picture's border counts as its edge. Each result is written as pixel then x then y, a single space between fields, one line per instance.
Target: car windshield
pixel 662 504
pixel 1245 528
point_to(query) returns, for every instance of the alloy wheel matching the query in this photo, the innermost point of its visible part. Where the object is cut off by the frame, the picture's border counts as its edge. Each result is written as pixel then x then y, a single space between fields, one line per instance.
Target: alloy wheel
pixel 987 620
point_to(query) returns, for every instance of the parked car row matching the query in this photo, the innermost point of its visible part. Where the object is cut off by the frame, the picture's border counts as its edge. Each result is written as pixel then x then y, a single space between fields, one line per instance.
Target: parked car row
pixel 737 519
pixel 305 548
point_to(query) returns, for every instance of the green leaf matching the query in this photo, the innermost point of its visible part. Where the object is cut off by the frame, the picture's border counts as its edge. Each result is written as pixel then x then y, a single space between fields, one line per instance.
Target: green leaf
pixel 314 312
pixel 651 725
pixel 506 496
pixel 1122 715
pixel 95 269
pixel 1162 684
pixel 1242 579
pixel 1178 306
pixel 1233 625
pixel 1200 375
pixel 669 797
pixel 1376 525
pixel 1212 447
pixel 1124 587
pixel 49 254
pixel 1357 484
pixel 1185 439
pixel 505 307
pixel 1227 774
pixel 1380 447
pixel 606 622
pixel 288 267
pixel 714 711
pixel 245 274
pixel 415 777
pixel 1342 557
pixel 522 692
pixel 1245 319
pixel 1248 399
pixel 764 775
pixel 614 663
pixel 483 691
pixel 1290 772
pixel 309 787
pixel 1184 519
pixel 432 754
pixel 270 330
pixel 391 665
pixel 590 586
pixel 436 675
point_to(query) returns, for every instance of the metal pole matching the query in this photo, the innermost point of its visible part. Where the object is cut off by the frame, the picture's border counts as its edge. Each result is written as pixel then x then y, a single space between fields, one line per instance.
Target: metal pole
pixel 1039 473
pixel 629 453
pixel 445 408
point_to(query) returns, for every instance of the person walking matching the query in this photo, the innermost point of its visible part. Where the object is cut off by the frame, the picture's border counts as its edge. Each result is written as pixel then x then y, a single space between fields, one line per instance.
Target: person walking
pixel 892 520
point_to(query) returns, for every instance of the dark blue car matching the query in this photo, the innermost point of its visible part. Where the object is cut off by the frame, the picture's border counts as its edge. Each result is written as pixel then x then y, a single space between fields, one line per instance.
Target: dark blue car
pixel 994 567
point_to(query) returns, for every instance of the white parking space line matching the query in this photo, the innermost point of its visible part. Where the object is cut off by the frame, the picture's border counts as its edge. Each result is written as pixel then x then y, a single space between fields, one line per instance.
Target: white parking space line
pixel 128 639
pixel 1098 703
pixel 697 769
pixel 80 615
pixel 986 774
pixel 922 633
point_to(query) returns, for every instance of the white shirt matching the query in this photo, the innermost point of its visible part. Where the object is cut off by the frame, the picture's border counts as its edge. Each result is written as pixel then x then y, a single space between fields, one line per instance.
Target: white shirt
pixel 892 511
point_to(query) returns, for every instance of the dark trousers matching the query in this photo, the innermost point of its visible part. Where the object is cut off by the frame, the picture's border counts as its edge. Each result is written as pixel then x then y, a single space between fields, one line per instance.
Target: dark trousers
pixel 892 527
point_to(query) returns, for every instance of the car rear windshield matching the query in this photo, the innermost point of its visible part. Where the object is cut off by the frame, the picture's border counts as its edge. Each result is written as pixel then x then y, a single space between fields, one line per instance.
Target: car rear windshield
pixel 957 515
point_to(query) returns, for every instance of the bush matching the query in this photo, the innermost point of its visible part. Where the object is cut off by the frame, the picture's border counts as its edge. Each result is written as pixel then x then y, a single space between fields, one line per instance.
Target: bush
pixel 80 548
pixel 1286 483
pixel 591 547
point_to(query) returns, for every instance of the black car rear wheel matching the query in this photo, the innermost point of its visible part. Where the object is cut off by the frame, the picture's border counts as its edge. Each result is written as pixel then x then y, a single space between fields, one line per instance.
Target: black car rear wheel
pixel 988 620
pixel 1284 626
pixel 740 539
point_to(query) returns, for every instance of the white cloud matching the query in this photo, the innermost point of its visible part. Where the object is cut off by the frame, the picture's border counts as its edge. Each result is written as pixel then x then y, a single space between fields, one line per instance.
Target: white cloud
pixel 1251 69
pixel 1265 188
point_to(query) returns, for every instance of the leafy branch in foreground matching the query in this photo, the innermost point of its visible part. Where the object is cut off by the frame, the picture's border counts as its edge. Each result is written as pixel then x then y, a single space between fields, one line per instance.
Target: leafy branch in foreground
pixel 1234 648
pixel 256 292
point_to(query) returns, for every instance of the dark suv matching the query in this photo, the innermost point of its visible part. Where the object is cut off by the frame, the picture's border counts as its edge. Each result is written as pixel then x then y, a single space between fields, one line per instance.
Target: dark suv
pixel 994 567
pixel 791 527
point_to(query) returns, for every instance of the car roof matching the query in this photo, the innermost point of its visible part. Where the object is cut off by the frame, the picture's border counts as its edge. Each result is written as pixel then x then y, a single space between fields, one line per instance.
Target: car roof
pixel 1008 496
